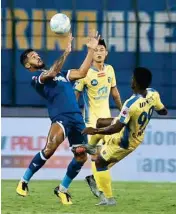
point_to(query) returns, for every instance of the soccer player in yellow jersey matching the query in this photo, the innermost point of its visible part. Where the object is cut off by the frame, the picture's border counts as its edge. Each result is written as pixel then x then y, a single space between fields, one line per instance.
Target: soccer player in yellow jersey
pixel 126 132
pixel 96 87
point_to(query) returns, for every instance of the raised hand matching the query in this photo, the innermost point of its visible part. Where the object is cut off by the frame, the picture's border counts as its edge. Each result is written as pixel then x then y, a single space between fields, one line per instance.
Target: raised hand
pixel 93 40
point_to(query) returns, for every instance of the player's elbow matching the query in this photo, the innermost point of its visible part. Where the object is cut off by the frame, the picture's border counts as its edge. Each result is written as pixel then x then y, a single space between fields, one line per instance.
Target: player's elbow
pixel 99 123
pixel 162 111
pixel 82 72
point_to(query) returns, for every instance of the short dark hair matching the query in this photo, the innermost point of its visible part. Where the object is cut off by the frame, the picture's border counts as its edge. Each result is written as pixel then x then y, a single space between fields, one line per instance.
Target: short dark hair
pixel 23 56
pixel 102 42
pixel 143 77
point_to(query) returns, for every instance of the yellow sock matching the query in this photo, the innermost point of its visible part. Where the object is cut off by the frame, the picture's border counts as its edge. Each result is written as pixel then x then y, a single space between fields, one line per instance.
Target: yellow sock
pixel 94 141
pixel 103 181
pixel 94 171
pixel 103 178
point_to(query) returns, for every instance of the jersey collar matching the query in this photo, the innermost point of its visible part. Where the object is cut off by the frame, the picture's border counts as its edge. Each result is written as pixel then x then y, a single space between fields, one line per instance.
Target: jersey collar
pixel 139 95
pixel 95 69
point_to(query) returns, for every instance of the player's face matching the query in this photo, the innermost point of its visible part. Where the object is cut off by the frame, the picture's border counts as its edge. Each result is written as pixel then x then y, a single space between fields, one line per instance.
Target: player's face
pixel 100 54
pixel 34 61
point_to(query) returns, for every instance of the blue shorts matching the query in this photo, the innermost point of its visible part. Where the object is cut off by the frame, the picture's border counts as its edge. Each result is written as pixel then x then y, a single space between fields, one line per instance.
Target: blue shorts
pixel 72 125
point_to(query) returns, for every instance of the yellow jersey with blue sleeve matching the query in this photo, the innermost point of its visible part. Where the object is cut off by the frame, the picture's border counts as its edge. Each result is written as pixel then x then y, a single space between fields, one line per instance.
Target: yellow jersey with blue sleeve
pixel 135 114
pixel 96 87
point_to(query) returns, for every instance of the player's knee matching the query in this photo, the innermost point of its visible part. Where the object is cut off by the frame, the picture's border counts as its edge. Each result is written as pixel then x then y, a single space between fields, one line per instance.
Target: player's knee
pixel 100 162
pixel 81 157
pixel 80 153
pixel 48 152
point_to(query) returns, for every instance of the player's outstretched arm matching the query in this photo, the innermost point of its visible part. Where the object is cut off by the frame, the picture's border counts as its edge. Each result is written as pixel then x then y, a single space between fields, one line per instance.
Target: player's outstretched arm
pixel 104 122
pixel 159 106
pixel 57 66
pixel 112 129
pixel 162 111
pixel 80 73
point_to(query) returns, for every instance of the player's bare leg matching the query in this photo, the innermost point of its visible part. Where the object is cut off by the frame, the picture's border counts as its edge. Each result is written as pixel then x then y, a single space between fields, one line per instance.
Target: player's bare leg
pixel 55 138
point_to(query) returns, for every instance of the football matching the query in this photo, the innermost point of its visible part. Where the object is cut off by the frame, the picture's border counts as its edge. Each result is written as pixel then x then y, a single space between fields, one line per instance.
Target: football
pixel 60 23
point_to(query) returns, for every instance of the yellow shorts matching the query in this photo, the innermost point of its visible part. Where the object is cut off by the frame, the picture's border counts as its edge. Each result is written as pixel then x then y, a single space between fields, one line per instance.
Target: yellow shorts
pixel 111 151
pixel 100 142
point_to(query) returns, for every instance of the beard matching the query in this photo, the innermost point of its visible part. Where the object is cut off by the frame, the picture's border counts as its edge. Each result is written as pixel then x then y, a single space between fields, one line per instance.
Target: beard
pixel 39 66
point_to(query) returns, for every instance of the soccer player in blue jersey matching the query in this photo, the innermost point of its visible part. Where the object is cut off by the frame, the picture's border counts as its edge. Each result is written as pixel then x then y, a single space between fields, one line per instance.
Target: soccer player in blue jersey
pixel 55 86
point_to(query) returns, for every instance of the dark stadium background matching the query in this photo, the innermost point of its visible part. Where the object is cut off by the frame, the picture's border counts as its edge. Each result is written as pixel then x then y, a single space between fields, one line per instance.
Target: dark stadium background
pixel 25 24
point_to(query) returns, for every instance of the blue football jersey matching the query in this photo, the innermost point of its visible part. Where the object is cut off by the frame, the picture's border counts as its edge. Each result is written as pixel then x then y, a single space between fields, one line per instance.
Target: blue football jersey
pixel 59 94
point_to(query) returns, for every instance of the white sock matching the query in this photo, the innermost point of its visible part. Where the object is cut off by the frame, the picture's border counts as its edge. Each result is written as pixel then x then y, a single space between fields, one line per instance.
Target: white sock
pixel 62 188
pixel 22 179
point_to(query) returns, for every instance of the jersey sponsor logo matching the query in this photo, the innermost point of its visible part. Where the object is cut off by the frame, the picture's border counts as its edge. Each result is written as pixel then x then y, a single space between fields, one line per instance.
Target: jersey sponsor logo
pixel 125 112
pixel 94 82
pixel 109 79
pixel 60 78
pixel 101 74
pixel 102 93
pixel 35 165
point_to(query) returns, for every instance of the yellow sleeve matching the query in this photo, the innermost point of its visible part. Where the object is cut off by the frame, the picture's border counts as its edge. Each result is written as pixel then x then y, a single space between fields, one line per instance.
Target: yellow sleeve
pixel 125 113
pixel 158 104
pixel 113 82
pixel 79 85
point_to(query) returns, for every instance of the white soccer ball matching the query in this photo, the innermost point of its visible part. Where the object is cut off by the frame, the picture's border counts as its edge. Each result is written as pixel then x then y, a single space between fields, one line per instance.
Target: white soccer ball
pixel 60 23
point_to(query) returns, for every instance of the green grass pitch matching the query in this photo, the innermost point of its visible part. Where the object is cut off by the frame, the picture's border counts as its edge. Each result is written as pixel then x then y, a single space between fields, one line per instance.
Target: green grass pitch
pixel 133 198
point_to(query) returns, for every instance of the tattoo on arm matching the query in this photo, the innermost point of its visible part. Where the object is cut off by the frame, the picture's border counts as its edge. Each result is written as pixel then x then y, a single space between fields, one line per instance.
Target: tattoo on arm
pixel 59 63
pixel 45 75
pixel 55 69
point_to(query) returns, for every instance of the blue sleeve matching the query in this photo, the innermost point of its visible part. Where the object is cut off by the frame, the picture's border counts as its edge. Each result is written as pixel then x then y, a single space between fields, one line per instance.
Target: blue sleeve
pixel 125 113
pixel 38 86
pixel 66 73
